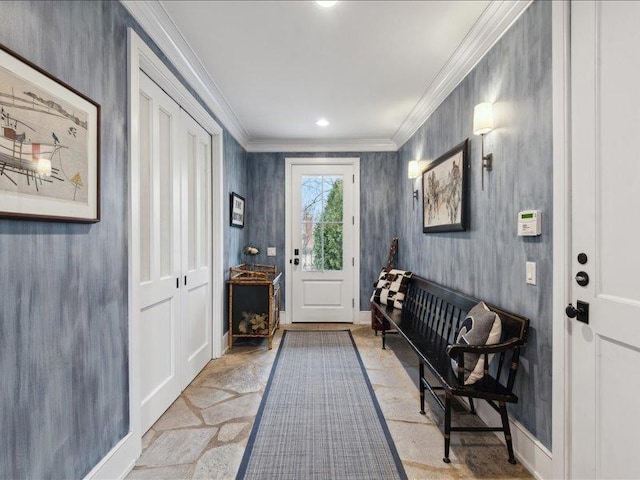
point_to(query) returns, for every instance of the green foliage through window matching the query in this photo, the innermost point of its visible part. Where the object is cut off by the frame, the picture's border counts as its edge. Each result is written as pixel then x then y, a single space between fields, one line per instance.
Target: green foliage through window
pixel 327 233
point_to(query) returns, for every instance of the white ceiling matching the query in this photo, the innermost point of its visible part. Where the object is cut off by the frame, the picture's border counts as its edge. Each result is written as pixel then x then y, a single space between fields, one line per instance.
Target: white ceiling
pixel 374 69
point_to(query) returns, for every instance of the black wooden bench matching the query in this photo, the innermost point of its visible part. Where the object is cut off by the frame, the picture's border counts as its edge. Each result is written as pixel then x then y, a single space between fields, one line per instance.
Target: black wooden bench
pixel 429 322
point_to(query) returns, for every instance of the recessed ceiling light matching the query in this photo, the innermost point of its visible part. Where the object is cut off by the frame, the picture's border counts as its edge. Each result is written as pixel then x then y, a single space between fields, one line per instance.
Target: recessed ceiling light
pixel 323 122
pixel 326 4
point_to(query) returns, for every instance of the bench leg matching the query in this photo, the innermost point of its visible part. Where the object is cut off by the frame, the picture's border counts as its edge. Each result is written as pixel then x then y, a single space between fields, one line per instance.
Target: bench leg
pixel 507 431
pixel 473 408
pixel 422 389
pixel 447 427
pixel 384 339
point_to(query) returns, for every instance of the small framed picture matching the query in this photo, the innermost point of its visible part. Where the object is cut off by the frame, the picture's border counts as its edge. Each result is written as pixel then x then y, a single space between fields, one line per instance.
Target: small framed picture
pixel 237 210
pixel 444 192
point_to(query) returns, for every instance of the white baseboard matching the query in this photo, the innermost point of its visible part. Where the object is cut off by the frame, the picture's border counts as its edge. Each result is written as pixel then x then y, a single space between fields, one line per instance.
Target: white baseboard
pixel 119 461
pixel 364 317
pixel 529 451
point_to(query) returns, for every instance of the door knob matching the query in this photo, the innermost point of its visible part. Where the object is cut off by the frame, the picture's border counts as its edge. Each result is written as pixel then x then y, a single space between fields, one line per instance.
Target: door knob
pixel 571 311
pixel 296 261
pixel 580 313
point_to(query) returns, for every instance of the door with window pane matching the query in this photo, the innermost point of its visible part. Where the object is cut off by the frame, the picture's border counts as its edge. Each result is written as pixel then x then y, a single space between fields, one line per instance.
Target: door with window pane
pixel 322 239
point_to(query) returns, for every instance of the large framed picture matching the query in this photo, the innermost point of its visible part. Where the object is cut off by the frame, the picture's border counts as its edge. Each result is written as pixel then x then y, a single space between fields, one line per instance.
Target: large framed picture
pixel 237 210
pixel 49 146
pixel 444 192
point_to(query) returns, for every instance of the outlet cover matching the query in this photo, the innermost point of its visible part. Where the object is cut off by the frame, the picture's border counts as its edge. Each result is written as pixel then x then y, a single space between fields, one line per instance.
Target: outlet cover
pixel 271 251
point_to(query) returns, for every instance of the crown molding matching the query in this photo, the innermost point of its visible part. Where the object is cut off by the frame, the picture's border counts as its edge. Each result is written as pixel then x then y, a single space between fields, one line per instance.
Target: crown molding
pixel 322 145
pixel 488 29
pixel 156 22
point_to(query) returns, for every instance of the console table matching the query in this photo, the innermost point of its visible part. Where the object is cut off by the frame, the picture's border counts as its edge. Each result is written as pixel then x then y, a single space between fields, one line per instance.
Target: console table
pixel 254 301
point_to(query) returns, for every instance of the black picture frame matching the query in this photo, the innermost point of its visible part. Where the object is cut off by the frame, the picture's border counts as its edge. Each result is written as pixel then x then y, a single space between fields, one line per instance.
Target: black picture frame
pixel 236 210
pixel 445 184
pixel 56 130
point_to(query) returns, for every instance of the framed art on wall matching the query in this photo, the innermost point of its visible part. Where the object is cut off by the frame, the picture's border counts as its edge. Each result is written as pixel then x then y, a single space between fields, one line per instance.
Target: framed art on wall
pixel 49 146
pixel 444 192
pixel 237 210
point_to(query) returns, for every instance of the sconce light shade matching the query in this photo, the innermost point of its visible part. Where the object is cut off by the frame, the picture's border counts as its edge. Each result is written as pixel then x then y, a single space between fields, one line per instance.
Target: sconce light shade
pixel 482 118
pixel 415 169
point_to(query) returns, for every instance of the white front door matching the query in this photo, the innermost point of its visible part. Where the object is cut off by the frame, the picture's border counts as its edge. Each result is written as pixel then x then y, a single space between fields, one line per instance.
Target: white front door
pixel 324 236
pixel 159 253
pixel 196 249
pixel 605 353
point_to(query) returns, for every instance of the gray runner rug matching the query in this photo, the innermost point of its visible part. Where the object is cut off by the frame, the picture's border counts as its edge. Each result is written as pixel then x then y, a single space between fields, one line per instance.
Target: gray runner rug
pixel 319 418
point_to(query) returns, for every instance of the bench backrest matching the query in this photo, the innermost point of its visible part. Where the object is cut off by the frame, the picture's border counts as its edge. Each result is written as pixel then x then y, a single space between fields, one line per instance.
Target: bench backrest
pixel 442 310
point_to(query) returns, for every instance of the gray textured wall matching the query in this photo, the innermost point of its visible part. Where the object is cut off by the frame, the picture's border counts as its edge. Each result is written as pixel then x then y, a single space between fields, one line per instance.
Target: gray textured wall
pixel 235 172
pixel 378 197
pixel 63 314
pixel 488 260
pixel 63 326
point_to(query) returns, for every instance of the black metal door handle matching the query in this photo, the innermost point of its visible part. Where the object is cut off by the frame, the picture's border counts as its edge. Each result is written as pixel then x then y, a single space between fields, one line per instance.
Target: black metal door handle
pixel 571 311
pixel 580 313
pixel 296 261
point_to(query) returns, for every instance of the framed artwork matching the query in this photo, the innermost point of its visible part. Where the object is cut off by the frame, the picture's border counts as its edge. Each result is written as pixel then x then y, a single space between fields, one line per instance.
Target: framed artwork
pixel 237 210
pixel 444 192
pixel 49 146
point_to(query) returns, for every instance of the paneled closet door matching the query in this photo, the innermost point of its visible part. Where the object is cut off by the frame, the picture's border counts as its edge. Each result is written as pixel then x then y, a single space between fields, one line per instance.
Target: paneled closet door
pixel 196 248
pixel 159 251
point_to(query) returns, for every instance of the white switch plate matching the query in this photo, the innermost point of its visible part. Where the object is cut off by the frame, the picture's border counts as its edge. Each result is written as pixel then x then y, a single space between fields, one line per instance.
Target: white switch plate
pixel 271 251
pixel 531 273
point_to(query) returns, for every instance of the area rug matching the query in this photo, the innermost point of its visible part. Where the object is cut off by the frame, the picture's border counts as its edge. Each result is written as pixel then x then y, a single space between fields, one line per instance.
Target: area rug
pixel 319 418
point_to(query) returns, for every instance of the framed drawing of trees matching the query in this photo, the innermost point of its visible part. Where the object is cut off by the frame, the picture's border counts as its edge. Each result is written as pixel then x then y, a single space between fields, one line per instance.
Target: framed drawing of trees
pixel 444 192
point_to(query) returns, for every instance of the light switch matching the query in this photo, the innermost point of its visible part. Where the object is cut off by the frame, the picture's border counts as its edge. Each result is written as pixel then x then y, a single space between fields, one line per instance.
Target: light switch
pixel 271 251
pixel 531 273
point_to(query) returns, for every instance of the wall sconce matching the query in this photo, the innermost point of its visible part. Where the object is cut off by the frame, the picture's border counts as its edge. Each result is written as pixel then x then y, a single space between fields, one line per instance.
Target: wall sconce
pixel 483 124
pixel 414 171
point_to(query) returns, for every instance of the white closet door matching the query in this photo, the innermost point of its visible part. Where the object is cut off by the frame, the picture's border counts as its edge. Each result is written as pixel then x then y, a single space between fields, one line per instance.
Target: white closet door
pixel 196 248
pixel 159 254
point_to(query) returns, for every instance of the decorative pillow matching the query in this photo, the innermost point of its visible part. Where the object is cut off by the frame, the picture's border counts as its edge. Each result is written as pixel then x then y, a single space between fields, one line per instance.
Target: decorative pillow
pixel 391 288
pixel 480 327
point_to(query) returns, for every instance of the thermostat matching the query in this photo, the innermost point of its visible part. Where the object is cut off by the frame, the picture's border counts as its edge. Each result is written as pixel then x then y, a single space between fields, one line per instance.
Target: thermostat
pixel 529 223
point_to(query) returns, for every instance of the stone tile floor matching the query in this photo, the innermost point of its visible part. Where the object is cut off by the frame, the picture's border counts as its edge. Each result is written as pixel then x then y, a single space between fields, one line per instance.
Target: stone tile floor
pixel 204 433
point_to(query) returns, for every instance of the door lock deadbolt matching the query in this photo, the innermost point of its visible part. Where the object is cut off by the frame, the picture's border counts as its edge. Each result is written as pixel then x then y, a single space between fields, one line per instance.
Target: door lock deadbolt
pixel 582 279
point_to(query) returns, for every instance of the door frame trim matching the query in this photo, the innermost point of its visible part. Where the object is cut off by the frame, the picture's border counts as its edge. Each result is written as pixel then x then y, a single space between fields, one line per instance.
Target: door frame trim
pixel 140 56
pixel 289 163
pixel 561 372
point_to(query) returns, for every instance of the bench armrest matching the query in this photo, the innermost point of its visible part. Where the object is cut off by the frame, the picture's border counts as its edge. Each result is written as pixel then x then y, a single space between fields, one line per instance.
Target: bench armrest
pixel 458 348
